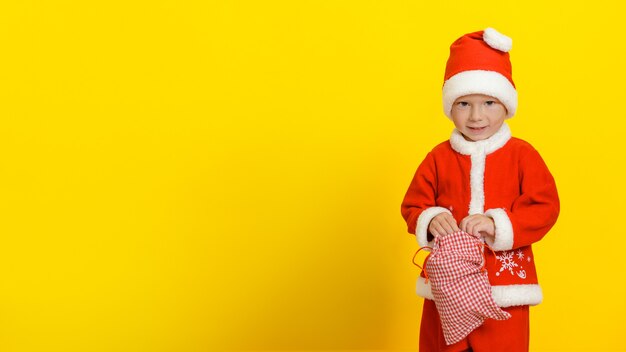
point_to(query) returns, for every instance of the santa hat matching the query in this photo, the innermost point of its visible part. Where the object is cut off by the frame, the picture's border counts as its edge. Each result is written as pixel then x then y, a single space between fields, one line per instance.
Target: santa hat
pixel 479 64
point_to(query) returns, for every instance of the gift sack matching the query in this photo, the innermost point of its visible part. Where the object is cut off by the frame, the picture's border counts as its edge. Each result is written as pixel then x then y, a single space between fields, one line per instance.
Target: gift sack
pixel 460 286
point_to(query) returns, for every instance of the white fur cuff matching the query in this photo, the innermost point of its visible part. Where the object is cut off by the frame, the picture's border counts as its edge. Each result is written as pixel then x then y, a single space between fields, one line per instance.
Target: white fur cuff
pixel 517 295
pixel 504 230
pixel 421 232
pixel 424 289
pixel 504 296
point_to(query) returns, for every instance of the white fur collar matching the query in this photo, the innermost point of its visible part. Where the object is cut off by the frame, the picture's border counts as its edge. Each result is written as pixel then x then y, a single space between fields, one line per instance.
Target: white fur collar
pixel 487 146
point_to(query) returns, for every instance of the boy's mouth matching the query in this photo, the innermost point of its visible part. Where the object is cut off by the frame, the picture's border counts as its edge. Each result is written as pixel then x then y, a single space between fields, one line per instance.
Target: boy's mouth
pixel 477 129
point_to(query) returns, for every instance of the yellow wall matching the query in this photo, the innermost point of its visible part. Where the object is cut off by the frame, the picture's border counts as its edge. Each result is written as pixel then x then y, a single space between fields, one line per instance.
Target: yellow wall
pixel 227 175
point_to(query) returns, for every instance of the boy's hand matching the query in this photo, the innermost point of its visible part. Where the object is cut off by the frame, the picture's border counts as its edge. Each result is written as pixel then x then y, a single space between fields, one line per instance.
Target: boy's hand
pixel 479 225
pixel 442 224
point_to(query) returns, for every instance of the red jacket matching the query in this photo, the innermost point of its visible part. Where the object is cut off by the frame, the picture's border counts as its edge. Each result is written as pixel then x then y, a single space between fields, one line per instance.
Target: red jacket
pixel 502 177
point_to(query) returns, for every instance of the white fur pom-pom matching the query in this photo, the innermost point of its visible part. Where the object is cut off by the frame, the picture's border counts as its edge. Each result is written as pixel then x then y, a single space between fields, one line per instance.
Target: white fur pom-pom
pixel 497 40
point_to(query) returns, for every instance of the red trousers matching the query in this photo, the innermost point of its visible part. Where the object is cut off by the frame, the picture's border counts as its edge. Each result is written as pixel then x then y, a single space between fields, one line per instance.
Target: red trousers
pixel 511 335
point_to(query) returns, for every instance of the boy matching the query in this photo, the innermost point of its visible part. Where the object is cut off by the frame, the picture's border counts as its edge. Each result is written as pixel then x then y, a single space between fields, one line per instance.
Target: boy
pixel 486 183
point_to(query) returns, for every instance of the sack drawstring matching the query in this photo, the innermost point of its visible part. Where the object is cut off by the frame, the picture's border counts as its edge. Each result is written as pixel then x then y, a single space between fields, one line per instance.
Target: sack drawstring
pixel 482 247
pixel 423 267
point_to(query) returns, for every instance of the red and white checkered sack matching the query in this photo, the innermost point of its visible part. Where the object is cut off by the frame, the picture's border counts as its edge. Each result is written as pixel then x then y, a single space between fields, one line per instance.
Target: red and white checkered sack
pixel 460 286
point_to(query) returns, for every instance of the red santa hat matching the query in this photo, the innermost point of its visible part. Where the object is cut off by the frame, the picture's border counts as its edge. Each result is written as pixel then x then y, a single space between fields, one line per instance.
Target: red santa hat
pixel 479 64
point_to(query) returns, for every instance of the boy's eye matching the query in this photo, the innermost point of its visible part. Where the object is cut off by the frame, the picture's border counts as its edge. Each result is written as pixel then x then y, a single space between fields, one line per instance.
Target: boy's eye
pixel 490 102
pixel 463 103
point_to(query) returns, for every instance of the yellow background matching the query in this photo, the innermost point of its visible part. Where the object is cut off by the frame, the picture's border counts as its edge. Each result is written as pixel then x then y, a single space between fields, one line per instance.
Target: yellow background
pixel 227 175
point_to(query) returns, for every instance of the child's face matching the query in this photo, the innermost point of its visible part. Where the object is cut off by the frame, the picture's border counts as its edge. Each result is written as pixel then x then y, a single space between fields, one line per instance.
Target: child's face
pixel 478 116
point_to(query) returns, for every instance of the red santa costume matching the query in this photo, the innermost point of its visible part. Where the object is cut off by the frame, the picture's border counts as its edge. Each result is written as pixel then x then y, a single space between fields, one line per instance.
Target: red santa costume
pixel 501 177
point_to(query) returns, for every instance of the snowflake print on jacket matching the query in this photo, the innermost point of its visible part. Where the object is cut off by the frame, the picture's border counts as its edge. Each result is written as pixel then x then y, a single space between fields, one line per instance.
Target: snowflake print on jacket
pixel 508 263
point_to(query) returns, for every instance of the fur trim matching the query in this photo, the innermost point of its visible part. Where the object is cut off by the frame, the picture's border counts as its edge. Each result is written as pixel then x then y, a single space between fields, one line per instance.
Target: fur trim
pixel 504 296
pixel 497 40
pixel 504 230
pixel 478 151
pixel 479 82
pixel 477 183
pixel 489 145
pixel 421 232
pixel 517 295
pixel 424 289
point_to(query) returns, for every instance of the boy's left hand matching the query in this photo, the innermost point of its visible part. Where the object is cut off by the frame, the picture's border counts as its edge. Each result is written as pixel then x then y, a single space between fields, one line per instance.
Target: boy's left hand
pixel 478 225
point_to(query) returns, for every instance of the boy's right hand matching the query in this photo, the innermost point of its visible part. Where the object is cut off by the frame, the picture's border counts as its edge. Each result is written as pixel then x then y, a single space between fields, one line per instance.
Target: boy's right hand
pixel 443 224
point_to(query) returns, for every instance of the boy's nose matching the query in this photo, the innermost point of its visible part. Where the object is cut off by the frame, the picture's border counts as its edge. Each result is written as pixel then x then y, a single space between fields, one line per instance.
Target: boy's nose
pixel 475 114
